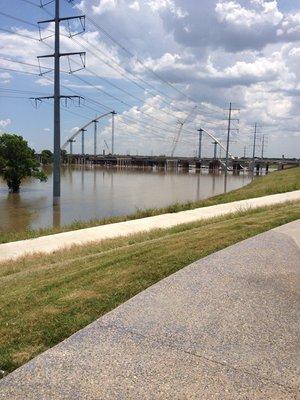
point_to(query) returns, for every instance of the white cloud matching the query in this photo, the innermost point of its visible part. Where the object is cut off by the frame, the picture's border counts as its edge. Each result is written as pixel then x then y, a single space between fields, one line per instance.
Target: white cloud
pixel 170 5
pixel 261 68
pixel 290 26
pixel 104 6
pixel 5 122
pixel 135 6
pixel 233 13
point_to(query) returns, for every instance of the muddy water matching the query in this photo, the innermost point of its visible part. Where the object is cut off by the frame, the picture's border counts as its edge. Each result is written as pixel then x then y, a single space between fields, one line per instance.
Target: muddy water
pixel 96 192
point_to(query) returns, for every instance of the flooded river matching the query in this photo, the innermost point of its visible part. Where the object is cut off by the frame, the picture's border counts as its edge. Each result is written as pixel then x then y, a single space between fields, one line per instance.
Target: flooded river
pixel 96 192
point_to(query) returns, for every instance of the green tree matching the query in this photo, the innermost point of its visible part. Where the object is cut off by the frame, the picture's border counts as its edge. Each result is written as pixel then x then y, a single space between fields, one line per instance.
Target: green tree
pixel 17 161
pixel 64 156
pixel 47 156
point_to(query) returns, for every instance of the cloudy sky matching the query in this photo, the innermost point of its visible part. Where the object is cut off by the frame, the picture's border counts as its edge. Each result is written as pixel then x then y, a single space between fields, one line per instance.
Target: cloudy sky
pixel 158 63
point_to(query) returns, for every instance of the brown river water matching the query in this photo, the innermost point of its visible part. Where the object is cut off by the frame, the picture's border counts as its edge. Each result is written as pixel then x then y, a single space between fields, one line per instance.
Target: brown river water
pixel 97 192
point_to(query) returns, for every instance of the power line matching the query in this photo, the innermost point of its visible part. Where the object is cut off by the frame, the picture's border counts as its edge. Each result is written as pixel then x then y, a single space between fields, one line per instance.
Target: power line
pixel 124 49
pixel 18 19
pixel 164 111
pixel 17 70
pixel 25 63
pixel 147 124
pixel 135 76
pixel 138 59
pixel 21 91
pixel 126 92
pixel 128 52
pixel 19 34
pixel 106 93
pixel 13 97
pixel 31 3
pixel 120 100
pixel 98 103
pixel 96 88
pixel 128 72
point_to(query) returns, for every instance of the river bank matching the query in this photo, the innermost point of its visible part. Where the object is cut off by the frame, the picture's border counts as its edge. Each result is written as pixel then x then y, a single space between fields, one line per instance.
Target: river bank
pixel 46 298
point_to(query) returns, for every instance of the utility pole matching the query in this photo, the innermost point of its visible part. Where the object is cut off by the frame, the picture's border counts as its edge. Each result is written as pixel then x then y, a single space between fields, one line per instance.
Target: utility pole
pixel 228 135
pixel 200 143
pixel 113 132
pixel 71 141
pixel 262 146
pixel 95 137
pixel 254 145
pixel 82 141
pixel 245 147
pixel 56 95
pixel 215 143
pixel 56 145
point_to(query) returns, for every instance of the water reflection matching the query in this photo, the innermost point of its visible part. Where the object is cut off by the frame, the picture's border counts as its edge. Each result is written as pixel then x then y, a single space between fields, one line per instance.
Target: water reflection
pixel 56 216
pixel 96 192
pixel 16 211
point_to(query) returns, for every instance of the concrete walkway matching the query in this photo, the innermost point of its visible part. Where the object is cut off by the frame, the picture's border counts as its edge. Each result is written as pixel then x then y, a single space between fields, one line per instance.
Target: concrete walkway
pixel 225 327
pixel 48 244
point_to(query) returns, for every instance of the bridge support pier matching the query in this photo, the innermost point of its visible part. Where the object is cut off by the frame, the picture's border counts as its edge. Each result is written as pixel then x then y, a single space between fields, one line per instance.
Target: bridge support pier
pixel 214 166
pixel 198 165
pixel 280 167
pixel 236 166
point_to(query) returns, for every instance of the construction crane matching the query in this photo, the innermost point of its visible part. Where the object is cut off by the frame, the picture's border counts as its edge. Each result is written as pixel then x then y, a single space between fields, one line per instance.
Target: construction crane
pixel 178 134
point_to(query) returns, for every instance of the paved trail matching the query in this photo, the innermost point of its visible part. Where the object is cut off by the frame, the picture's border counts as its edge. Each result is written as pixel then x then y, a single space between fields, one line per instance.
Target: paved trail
pixel 223 328
pixel 48 244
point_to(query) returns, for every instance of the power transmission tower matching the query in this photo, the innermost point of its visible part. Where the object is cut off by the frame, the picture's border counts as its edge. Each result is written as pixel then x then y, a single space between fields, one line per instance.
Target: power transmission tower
pixel 95 137
pixel 215 143
pixel 200 143
pixel 263 144
pixel 113 132
pixel 82 140
pixel 57 96
pixel 254 145
pixel 230 119
pixel 71 141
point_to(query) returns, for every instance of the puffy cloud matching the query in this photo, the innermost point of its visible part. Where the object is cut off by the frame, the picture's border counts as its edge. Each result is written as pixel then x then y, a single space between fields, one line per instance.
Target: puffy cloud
pixel 99 55
pixel 233 13
pixel 234 25
pixel 104 6
pixel 5 122
pixel 167 5
pixel 135 5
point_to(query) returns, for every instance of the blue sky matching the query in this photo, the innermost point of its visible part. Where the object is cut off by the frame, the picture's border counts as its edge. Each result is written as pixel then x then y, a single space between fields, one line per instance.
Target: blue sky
pixel 204 53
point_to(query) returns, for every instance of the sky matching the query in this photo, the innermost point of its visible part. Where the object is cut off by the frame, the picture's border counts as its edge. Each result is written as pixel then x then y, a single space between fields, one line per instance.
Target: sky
pixel 161 65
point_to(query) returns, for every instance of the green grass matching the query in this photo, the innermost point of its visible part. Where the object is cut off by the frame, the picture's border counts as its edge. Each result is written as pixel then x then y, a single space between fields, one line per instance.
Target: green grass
pixel 46 298
pixel 276 182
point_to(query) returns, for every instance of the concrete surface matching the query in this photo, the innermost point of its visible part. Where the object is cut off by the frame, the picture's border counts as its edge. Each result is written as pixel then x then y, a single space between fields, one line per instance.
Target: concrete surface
pixel 48 244
pixel 225 327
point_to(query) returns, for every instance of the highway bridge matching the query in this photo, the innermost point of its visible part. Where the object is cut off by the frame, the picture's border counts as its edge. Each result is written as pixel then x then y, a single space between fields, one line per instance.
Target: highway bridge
pixel 167 162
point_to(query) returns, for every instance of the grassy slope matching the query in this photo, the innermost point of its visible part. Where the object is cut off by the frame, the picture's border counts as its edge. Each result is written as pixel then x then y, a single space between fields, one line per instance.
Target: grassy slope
pixel 276 182
pixel 44 299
